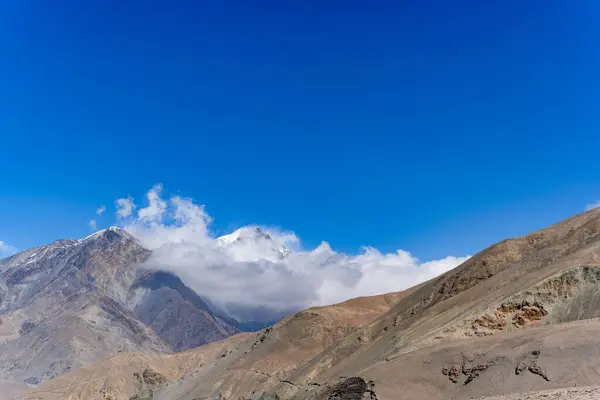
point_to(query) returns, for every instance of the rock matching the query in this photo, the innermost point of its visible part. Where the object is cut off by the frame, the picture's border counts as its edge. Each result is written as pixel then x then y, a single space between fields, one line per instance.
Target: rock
pixel 147 383
pixel 32 381
pixel 354 388
pixel 26 328
pixel 529 363
pixel 264 396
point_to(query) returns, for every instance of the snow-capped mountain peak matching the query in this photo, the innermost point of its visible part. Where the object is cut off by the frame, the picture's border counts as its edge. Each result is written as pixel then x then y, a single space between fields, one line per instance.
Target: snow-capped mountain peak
pixel 244 234
pixel 252 243
pixel 112 231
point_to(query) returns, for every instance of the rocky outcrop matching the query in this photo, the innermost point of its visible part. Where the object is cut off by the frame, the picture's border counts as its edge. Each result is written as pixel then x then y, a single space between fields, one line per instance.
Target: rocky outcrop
pixel 147 382
pixel 529 363
pixel 353 388
pixel 26 328
pixel 555 299
pixel 264 396
pixel 467 371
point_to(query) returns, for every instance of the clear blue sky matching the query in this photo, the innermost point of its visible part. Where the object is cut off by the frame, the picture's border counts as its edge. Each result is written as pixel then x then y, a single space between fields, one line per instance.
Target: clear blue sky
pixel 438 127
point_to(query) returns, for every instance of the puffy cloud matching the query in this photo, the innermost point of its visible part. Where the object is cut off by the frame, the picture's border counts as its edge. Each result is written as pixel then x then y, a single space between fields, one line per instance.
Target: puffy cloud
pixel 125 207
pixel 155 211
pixel 176 221
pixel 6 249
pixel 253 268
pixel 93 224
pixel 592 205
pixel 100 210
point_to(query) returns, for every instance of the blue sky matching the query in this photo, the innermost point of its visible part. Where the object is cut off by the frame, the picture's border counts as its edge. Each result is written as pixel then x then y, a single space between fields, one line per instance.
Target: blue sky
pixel 437 127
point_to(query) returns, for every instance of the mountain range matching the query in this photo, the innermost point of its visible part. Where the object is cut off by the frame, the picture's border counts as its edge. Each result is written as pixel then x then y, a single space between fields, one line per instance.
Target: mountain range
pixel 73 302
pixel 518 320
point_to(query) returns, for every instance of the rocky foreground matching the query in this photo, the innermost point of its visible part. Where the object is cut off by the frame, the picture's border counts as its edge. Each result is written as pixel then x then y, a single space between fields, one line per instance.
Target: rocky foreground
pixel 586 393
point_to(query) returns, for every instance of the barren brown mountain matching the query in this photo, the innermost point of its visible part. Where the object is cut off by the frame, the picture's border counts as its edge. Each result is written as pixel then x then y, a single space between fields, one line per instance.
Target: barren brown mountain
pixel 520 316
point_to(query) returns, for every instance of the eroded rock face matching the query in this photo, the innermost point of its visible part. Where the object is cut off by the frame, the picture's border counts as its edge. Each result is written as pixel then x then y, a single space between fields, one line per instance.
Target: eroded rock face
pixel 568 296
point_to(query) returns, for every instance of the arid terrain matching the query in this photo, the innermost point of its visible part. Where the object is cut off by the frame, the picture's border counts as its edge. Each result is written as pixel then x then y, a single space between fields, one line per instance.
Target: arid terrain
pixel 518 317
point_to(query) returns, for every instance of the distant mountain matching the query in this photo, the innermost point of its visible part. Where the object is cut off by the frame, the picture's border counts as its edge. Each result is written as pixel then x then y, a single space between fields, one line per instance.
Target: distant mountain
pixel 176 313
pixel 72 302
pixel 252 243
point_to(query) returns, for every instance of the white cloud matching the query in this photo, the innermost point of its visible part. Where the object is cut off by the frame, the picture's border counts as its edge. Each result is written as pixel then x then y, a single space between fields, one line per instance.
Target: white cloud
pixel 156 208
pixel 100 210
pixel 245 270
pixel 93 224
pixel 125 207
pixel 176 221
pixel 592 205
pixel 6 249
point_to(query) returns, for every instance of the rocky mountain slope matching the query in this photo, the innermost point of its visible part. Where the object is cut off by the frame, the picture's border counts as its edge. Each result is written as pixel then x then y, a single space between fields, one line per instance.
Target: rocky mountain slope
pixel 265 357
pixel 73 302
pixel 519 316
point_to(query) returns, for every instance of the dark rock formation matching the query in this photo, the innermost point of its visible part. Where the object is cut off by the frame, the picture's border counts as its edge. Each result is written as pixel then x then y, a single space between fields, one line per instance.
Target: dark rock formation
pixel 147 383
pixel 529 363
pixel 353 388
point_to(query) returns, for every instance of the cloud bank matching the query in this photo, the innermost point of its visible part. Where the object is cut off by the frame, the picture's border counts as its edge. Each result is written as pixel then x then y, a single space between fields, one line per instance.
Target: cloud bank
pixel 253 268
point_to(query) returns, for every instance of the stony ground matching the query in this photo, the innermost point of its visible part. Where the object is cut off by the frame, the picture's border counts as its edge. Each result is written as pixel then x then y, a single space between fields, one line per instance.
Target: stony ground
pixel 585 393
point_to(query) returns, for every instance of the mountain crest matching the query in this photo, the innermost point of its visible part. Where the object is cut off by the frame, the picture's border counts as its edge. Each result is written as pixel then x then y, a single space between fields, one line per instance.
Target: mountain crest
pixel 256 241
pixel 244 234
pixel 112 232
